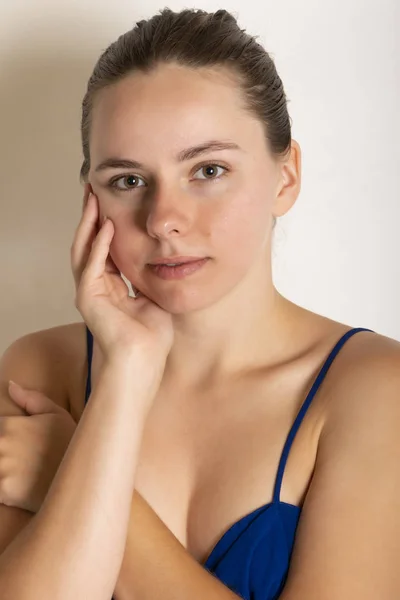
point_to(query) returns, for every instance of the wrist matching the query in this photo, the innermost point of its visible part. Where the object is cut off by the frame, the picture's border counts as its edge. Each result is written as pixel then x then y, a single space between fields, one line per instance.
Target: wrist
pixel 130 376
pixel 134 361
pixel 132 367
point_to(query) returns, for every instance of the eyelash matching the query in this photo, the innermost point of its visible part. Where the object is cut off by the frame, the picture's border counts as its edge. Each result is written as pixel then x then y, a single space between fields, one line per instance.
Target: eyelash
pixel 113 182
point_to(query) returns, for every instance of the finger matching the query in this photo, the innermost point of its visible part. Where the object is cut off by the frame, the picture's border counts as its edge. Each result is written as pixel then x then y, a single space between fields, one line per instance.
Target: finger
pixel 87 191
pixel 84 237
pixel 32 401
pixel 136 291
pixel 111 266
pixel 96 264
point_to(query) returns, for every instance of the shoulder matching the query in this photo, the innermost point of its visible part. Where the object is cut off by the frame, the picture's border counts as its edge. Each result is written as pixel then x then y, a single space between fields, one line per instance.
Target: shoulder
pixel 364 382
pixel 361 430
pixel 51 360
pixel 350 522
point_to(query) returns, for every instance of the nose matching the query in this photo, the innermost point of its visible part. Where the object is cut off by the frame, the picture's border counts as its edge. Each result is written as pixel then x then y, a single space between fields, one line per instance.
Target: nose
pixel 170 215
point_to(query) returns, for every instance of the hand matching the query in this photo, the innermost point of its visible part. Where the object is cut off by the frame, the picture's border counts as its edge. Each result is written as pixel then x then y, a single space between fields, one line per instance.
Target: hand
pixel 120 324
pixel 31 448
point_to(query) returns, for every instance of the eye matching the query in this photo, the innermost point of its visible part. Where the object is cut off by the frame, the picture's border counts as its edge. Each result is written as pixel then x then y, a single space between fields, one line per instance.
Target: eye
pixel 212 169
pixel 130 179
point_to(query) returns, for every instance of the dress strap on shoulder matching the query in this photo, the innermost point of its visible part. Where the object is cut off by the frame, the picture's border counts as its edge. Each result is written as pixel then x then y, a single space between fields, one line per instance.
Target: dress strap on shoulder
pixel 306 404
pixel 89 343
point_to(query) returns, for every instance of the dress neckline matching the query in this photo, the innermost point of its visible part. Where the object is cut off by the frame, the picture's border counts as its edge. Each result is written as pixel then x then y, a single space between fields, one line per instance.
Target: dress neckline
pixel 249 516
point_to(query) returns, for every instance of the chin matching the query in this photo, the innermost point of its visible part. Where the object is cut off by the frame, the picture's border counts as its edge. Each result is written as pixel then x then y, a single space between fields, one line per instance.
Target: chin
pixel 181 303
pixel 181 297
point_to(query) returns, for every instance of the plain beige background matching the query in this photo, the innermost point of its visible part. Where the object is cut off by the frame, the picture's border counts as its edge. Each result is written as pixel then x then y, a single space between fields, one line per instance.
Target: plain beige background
pixel 336 252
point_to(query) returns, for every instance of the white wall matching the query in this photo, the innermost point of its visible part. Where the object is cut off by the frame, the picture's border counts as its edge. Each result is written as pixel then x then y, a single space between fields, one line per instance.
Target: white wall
pixel 336 252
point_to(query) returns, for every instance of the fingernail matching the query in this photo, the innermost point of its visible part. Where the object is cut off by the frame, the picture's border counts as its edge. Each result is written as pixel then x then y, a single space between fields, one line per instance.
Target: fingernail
pixel 12 383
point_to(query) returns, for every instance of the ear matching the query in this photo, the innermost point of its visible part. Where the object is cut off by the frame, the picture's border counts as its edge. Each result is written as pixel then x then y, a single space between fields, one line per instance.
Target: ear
pixel 289 181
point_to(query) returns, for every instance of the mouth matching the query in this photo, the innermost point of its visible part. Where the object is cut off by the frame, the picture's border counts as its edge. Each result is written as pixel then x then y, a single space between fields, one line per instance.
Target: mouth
pixel 177 270
pixel 175 260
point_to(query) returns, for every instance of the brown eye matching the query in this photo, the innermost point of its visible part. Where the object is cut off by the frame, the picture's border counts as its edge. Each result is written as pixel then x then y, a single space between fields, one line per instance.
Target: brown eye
pixel 131 181
pixel 210 170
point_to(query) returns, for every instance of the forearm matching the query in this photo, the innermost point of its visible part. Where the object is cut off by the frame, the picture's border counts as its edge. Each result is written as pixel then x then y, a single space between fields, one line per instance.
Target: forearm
pixel 73 547
pixel 156 565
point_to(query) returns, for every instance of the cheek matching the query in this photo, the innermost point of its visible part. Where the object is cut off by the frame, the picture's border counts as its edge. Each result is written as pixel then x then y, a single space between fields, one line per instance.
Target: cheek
pixel 241 229
pixel 126 249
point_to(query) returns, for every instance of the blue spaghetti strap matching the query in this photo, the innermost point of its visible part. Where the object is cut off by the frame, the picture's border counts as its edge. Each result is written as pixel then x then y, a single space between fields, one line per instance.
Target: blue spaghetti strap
pixel 300 415
pixel 89 341
pixel 305 405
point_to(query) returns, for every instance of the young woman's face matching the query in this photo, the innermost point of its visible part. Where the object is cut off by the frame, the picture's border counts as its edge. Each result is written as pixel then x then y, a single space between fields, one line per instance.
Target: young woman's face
pixel 218 204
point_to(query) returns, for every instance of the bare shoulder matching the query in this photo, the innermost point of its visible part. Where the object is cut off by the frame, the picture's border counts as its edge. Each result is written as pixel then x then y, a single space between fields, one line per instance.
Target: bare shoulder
pixel 348 535
pixel 362 408
pixel 364 379
pixel 51 360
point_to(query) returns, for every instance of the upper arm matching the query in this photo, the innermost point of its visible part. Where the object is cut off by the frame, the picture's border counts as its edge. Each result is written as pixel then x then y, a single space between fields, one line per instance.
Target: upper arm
pixel 37 361
pixel 348 538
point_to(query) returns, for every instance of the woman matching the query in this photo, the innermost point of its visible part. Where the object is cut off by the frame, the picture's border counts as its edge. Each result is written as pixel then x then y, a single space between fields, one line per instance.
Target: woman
pixel 233 444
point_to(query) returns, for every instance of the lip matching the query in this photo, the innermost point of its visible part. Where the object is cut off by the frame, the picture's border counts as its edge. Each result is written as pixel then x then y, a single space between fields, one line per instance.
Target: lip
pixel 179 272
pixel 175 259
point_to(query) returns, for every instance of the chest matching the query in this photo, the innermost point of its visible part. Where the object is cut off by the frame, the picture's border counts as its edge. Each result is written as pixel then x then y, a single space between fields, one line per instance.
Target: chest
pixel 209 458
pixel 203 469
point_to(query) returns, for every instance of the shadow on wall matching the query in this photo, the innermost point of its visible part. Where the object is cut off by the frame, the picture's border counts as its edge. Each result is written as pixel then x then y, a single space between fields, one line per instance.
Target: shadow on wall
pixel 40 193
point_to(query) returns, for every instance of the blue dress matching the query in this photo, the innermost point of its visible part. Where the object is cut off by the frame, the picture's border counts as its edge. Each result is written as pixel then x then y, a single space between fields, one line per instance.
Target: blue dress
pixel 252 557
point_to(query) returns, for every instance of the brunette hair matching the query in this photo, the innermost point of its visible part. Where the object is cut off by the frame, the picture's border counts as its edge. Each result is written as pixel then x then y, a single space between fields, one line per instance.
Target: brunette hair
pixel 195 38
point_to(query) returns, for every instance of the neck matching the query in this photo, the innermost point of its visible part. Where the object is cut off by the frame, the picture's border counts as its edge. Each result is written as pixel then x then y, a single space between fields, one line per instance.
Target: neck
pixel 250 327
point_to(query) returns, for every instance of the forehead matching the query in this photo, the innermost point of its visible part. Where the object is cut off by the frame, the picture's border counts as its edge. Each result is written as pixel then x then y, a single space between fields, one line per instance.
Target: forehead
pixel 174 104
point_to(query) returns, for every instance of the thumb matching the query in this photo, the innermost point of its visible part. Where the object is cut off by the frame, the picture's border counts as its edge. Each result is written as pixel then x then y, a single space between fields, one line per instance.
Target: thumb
pixel 32 401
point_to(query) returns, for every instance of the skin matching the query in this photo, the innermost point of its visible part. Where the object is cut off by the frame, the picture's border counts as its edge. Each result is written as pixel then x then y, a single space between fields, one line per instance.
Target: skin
pixel 355 434
pixel 173 209
pixel 230 220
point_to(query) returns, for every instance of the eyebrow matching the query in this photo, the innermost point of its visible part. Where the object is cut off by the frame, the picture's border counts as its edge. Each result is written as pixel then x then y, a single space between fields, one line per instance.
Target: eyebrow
pixel 186 154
